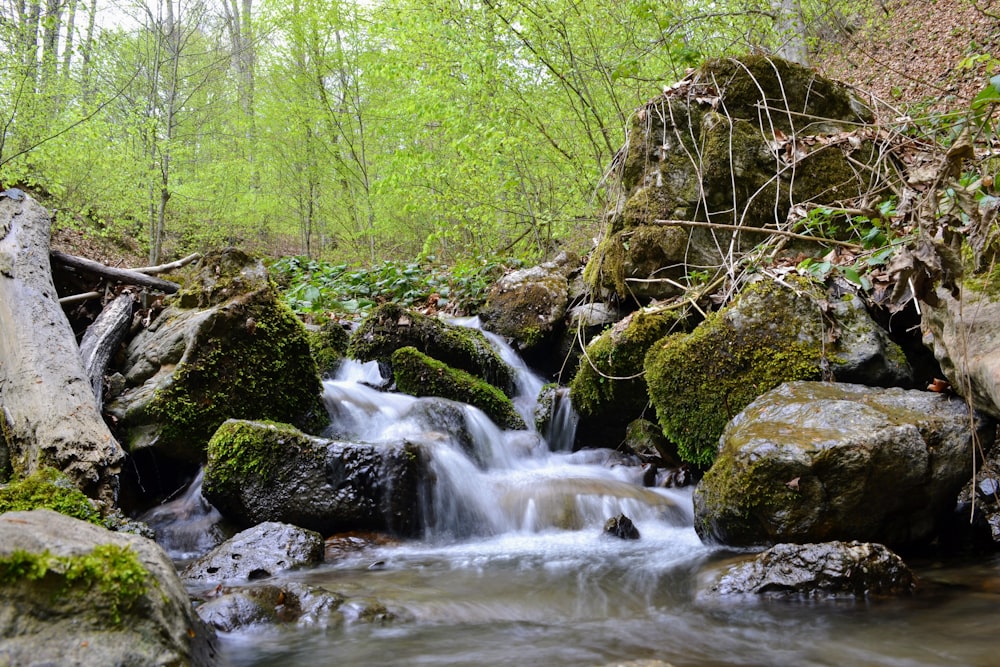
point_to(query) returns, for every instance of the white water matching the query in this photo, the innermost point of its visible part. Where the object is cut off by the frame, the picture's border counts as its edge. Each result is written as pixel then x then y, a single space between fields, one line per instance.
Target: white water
pixel 514 568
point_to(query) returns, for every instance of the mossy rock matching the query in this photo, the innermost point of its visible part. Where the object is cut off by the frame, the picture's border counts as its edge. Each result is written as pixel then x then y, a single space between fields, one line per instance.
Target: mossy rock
pixel 392 327
pixel 246 357
pixel 47 488
pixel 699 381
pixel 642 262
pixel 418 374
pixel 5 467
pixel 266 471
pixel 609 390
pixel 329 347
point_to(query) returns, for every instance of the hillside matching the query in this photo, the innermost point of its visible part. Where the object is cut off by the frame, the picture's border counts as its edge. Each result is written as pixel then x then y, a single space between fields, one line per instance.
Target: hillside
pixel 920 55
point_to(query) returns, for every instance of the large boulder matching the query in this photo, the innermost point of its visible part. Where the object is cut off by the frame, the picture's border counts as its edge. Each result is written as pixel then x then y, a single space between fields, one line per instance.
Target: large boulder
pixel 259 472
pixel 225 347
pixel 527 306
pixel 77 594
pixel 828 569
pixel 820 461
pixel 392 327
pixel 257 553
pixel 773 333
pixel 609 388
pixel 715 148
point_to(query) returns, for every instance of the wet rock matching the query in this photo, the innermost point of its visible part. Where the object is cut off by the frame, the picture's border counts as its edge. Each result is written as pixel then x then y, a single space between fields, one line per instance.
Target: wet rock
pixel 621 527
pixel 124 604
pixel 257 553
pixel 646 440
pixel 609 388
pixel 392 327
pixel 818 461
pixel 328 344
pixel 527 306
pixel 774 333
pixel 418 374
pixel 344 545
pixel 555 417
pixel 291 603
pixel 259 472
pixel 829 569
pixel 225 347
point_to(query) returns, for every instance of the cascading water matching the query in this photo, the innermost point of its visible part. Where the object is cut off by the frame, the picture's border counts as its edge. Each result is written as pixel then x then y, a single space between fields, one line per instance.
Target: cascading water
pixel 514 569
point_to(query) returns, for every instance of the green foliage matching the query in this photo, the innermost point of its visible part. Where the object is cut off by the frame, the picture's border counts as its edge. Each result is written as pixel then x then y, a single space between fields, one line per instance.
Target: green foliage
pixel 48 488
pixel 114 571
pixel 312 286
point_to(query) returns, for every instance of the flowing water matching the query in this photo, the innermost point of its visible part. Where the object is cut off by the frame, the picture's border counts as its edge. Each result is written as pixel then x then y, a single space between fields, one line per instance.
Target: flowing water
pixel 514 568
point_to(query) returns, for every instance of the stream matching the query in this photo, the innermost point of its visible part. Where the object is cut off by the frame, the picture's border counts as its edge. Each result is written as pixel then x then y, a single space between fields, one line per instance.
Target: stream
pixel 514 569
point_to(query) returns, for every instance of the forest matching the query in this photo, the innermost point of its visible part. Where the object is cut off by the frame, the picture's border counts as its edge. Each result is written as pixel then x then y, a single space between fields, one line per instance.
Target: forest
pixel 354 131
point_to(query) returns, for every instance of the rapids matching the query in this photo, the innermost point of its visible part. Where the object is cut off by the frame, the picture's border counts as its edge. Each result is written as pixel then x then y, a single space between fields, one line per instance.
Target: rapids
pixel 513 568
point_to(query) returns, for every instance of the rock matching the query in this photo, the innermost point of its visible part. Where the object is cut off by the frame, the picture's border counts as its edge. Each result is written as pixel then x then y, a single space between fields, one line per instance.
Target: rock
pixel 773 333
pixel 646 439
pixel 418 374
pixel 555 418
pixel 257 553
pixel 328 344
pixel 705 151
pixel 47 488
pixel 609 388
pixel 621 527
pixel 828 569
pixel 104 599
pixel 259 472
pixel 527 306
pixel 305 606
pixel 963 334
pixel 392 327
pixel 817 461
pixel 226 347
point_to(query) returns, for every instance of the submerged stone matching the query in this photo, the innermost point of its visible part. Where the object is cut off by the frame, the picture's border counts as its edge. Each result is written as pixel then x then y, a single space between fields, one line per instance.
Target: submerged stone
pixel 829 569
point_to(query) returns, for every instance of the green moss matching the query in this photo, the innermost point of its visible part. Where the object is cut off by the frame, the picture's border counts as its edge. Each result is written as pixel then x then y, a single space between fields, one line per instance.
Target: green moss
pixel 418 374
pixel 609 379
pixel 254 363
pixel 329 346
pixel 50 489
pixel 699 381
pixel 114 572
pixel 240 449
pixel 392 327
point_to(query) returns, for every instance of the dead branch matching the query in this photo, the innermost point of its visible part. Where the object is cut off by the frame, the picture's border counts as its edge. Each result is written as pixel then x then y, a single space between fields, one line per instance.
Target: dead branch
pixel 759 230
pixel 128 276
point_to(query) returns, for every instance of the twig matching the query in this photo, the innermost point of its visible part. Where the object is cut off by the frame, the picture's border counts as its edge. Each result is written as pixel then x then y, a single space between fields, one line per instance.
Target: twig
pixel 77 298
pixel 165 268
pixel 758 230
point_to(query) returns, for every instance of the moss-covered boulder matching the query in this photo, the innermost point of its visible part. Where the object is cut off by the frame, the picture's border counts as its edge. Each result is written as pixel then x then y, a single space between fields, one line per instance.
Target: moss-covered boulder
pixel 226 347
pixel 775 332
pixel 261 471
pixel 820 461
pixel 527 306
pixel 77 594
pixel 329 347
pixel 723 146
pixel 418 374
pixel 391 327
pixel 609 388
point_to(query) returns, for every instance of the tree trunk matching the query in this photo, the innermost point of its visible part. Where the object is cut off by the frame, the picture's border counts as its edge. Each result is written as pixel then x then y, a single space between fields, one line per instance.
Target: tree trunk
pixel 49 406
pixel 102 339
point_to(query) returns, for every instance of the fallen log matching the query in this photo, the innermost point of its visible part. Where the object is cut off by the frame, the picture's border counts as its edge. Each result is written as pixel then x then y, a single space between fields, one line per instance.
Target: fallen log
pixel 50 408
pixel 128 276
pixel 101 340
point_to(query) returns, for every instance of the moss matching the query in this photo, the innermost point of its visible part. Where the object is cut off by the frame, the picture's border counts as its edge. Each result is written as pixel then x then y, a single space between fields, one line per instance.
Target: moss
pixel 254 363
pixel 329 347
pixel 600 387
pixel 418 374
pixel 5 439
pixel 240 449
pixel 50 489
pixel 114 572
pixel 699 381
pixel 545 405
pixel 753 80
pixel 392 327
